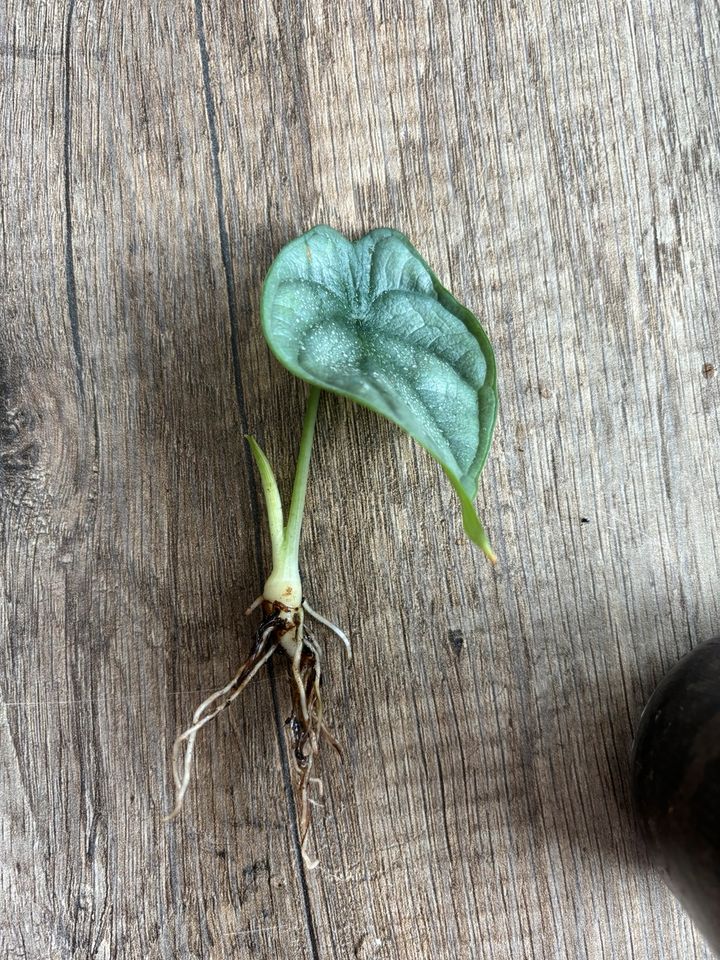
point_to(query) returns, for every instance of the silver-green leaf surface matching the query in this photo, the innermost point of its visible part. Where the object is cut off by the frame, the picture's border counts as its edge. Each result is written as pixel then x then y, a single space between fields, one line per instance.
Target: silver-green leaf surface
pixel 370 321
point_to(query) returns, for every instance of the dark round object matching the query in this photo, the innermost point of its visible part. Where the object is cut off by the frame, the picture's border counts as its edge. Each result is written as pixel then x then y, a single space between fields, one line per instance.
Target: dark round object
pixel 676 783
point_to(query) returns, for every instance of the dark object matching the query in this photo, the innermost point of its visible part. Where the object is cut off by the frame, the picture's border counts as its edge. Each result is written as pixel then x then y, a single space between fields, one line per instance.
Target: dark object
pixel 676 783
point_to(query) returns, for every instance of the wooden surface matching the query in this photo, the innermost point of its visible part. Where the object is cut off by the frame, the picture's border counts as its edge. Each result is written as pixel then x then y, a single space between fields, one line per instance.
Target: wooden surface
pixel 558 163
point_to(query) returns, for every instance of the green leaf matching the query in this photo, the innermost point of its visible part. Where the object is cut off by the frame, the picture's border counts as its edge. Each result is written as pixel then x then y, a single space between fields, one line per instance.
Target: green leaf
pixel 272 497
pixel 371 321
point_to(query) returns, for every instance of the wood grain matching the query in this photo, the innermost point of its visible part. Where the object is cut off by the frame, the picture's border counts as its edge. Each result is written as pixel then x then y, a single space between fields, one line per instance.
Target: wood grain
pixel 559 165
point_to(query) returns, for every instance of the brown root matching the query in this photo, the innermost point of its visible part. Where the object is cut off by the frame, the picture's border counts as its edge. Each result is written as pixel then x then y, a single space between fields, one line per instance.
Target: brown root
pixel 306 728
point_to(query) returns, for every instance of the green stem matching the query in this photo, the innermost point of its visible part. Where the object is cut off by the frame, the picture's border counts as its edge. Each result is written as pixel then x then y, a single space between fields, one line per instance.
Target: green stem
pixel 291 541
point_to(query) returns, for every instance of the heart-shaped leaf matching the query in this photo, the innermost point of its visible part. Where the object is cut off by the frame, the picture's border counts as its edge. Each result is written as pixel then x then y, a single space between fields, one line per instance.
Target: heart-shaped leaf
pixel 370 321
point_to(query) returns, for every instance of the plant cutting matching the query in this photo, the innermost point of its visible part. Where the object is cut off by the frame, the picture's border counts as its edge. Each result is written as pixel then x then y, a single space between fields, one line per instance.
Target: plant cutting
pixel 369 321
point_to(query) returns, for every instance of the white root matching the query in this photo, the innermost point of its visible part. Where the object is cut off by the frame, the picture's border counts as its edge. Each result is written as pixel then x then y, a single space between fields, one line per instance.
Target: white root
pixel 310 863
pixel 297 676
pixel 181 773
pixel 330 625
pixel 254 605
pixel 288 629
pixel 320 785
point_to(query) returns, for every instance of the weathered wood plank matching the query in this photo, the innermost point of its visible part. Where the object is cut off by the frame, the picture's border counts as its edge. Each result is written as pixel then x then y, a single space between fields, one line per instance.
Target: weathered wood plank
pixel 125 596
pixel 559 166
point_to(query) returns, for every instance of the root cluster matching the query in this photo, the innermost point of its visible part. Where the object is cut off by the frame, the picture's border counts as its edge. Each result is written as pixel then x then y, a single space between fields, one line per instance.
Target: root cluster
pixel 284 628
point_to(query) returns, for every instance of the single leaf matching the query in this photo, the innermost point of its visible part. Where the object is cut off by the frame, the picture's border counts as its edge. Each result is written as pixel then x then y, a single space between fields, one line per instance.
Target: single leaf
pixel 271 493
pixel 371 321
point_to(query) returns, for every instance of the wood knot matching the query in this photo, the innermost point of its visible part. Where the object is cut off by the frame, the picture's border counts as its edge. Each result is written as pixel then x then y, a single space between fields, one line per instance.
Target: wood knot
pixel 46 470
pixel 19 453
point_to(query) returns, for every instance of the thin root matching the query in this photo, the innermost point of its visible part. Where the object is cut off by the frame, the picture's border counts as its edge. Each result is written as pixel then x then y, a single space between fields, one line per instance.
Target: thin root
pixel 326 732
pixel 307 726
pixel 306 729
pixel 331 626
pixel 320 786
pixel 310 862
pixel 299 682
pixel 254 605
pixel 258 656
